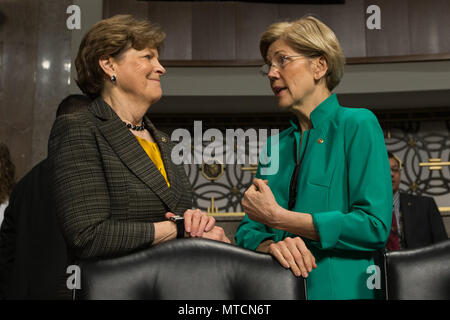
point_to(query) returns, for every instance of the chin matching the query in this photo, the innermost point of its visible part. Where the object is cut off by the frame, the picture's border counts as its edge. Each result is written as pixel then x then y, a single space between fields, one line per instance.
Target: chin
pixel 285 105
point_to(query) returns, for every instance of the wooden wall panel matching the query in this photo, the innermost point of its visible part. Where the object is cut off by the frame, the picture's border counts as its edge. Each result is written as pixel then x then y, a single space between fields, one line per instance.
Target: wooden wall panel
pixel 228 33
pixel 175 19
pixel 393 37
pixel 252 20
pixel 138 9
pixel 214 31
pixel 429 26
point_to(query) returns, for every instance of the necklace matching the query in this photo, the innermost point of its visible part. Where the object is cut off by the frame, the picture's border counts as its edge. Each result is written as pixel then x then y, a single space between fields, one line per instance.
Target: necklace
pixel 134 127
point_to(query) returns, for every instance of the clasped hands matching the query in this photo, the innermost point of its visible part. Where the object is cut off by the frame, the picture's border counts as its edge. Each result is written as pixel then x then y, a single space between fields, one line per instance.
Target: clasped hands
pixel 197 223
pixel 260 205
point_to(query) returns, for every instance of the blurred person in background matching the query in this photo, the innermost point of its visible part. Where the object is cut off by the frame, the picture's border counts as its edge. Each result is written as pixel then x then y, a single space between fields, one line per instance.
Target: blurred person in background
pixel 7 173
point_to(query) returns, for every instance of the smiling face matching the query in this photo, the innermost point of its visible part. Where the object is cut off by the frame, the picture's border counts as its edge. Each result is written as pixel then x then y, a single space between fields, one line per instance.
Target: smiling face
pixel 292 82
pixel 138 74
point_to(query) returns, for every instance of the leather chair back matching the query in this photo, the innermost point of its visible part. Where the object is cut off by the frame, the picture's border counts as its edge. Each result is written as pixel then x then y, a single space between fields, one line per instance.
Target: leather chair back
pixel 190 269
pixel 422 273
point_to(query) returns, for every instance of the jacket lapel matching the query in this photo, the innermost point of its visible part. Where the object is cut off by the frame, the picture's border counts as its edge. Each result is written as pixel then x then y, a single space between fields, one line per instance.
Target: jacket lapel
pixel 405 208
pixel 162 140
pixel 128 149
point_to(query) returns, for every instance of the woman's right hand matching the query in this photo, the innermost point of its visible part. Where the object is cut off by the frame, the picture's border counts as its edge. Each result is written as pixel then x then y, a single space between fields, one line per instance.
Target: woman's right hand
pixel 292 253
pixel 217 233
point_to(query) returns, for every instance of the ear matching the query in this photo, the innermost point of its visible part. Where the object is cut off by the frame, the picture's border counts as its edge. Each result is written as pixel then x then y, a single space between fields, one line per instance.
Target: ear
pixel 108 66
pixel 320 68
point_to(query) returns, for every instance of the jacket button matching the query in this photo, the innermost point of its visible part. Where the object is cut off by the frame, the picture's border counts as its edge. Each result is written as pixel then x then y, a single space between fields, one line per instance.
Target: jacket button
pixel 163 139
pixel 320 140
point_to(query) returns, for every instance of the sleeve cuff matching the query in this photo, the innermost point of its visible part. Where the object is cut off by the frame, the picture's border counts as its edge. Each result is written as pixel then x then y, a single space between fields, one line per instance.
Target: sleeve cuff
pixel 328 226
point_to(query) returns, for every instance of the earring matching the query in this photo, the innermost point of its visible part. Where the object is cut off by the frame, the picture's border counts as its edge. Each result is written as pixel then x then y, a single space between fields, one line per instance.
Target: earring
pixel 113 79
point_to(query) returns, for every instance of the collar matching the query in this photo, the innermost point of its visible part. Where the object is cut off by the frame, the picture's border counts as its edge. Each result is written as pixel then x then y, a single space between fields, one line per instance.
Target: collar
pixel 101 109
pixel 321 113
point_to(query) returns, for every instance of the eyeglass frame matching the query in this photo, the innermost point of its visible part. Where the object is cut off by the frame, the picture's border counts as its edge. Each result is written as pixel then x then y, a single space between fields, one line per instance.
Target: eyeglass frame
pixel 268 66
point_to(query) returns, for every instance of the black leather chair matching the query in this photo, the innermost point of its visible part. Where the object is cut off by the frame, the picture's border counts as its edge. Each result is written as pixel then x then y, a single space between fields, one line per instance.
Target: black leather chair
pixel 190 269
pixel 422 273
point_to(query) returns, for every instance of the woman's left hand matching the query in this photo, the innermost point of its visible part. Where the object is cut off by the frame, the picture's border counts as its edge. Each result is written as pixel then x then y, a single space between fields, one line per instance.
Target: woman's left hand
pixel 196 222
pixel 259 203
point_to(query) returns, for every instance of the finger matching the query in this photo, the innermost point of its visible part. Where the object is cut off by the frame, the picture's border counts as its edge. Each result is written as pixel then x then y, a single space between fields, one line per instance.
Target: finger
pixel 210 224
pixel 266 181
pixel 295 260
pixel 188 220
pixel 168 215
pixel 274 250
pixel 259 184
pixel 250 190
pixel 308 258
pixel 302 254
pixel 201 227
pixel 195 222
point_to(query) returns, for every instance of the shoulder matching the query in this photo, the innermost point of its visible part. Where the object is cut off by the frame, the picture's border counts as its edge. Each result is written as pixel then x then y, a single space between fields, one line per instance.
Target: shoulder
pixel 359 121
pixel 356 116
pixel 72 122
pixel 73 128
pixel 415 198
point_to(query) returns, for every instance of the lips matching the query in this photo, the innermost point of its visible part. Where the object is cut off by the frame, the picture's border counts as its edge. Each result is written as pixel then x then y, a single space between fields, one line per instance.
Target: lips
pixel 278 90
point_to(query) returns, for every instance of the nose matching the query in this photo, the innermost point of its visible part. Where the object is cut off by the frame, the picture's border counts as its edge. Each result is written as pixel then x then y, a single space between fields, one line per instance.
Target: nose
pixel 160 69
pixel 273 73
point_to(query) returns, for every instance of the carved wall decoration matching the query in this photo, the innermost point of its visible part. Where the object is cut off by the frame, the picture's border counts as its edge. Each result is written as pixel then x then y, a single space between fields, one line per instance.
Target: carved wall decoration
pixel 422 144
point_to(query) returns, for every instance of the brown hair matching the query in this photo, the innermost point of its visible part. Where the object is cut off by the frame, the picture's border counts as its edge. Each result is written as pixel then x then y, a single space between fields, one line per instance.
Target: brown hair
pixel 109 38
pixel 7 172
pixel 312 38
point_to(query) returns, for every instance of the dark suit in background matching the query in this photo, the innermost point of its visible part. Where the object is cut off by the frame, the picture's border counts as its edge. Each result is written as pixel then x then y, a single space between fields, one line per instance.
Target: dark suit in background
pixel 422 221
pixel 33 257
pixel 107 192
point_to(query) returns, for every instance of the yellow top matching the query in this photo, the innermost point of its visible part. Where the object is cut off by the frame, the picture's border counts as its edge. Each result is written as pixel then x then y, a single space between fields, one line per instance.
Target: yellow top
pixel 151 148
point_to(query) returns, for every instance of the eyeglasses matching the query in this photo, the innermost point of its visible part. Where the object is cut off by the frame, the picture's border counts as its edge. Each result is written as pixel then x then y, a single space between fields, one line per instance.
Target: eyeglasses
pixel 396 169
pixel 279 62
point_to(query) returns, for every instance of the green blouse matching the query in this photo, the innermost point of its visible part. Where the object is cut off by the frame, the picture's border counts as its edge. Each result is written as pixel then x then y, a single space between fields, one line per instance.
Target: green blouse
pixel 344 183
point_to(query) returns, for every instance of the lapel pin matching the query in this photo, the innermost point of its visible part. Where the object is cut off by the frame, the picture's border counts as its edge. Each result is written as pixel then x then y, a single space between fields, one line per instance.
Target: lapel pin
pixel 320 140
pixel 163 139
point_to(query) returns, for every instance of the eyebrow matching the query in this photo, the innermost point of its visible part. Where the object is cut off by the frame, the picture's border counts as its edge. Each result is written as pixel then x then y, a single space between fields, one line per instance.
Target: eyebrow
pixel 276 52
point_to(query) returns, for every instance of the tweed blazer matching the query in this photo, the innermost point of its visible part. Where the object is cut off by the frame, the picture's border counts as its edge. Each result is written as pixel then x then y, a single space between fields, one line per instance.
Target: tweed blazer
pixel 106 191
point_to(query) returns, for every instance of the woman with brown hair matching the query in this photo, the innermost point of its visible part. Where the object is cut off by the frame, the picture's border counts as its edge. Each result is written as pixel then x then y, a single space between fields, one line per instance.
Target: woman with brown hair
pixel 7 172
pixel 113 183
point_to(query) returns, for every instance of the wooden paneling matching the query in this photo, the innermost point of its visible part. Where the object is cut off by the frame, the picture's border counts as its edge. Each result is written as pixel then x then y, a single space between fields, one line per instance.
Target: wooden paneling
pixel 228 33
pixel 175 19
pixel 429 23
pixel 252 20
pixel 138 9
pixel 213 31
pixel 393 37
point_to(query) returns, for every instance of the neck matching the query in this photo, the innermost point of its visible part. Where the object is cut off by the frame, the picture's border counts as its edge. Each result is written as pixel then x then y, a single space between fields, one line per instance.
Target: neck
pixel 129 109
pixel 303 108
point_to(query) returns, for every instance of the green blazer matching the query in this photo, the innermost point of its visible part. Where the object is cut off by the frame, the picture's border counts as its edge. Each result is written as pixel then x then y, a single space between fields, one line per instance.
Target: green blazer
pixel 106 190
pixel 345 183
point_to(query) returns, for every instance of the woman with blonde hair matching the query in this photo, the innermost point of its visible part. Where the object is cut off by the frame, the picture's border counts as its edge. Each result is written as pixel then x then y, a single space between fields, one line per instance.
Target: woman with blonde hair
pixel 329 206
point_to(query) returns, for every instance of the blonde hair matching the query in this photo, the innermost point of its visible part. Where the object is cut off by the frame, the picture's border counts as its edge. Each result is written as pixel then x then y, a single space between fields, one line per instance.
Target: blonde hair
pixel 109 38
pixel 312 38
